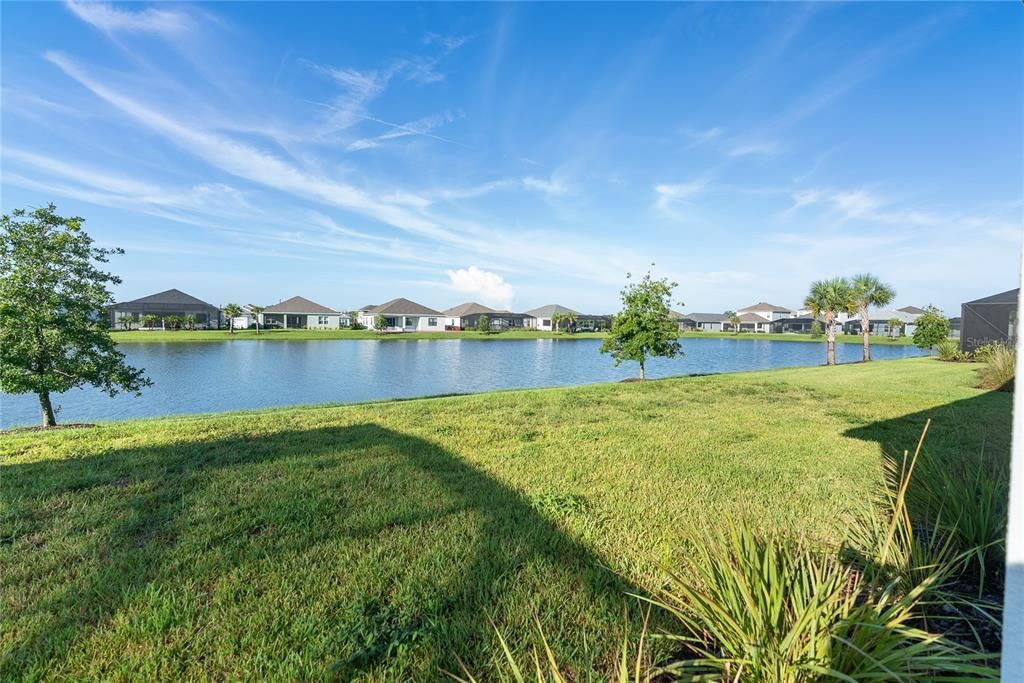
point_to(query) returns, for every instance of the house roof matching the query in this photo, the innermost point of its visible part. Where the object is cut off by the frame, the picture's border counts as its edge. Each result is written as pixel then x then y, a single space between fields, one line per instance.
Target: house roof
pixel 911 309
pixel 754 317
pixel 470 308
pixel 704 317
pixel 549 310
pixel 763 306
pixel 882 315
pixel 1010 296
pixel 298 304
pixel 171 297
pixel 402 307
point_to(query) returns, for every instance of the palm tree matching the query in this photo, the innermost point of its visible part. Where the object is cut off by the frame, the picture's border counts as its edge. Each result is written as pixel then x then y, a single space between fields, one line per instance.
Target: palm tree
pixel 870 291
pixel 256 311
pixel 734 320
pixel 570 321
pixel 190 321
pixel 556 320
pixel 149 320
pixel 231 311
pixel 827 299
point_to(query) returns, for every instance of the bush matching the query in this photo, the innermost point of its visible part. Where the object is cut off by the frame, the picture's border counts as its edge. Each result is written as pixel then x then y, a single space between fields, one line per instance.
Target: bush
pixel 949 350
pixel 1000 368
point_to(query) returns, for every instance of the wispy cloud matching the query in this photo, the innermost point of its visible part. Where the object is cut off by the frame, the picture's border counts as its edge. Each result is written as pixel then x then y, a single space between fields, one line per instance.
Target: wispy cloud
pixel 700 137
pixel 669 194
pixel 552 187
pixel 110 19
pixel 420 127
pixel 748 148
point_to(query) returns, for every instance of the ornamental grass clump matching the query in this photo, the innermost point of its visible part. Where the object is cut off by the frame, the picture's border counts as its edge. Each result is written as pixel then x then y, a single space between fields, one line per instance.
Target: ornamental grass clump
pixel 1000 368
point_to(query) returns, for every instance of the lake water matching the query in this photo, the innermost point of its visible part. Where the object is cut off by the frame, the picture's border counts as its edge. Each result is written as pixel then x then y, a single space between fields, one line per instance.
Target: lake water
pixel 206 377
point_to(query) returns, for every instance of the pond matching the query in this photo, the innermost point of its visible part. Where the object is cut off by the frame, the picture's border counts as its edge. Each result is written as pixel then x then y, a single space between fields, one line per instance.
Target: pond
pixel 204 377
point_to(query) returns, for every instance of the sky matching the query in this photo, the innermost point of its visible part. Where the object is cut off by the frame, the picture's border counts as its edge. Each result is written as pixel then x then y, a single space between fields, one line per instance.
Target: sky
pixel 524 154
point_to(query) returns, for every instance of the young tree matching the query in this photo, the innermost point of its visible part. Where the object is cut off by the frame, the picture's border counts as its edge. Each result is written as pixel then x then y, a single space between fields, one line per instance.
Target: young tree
pixel 483 324
pixel 931 327
pixel 827 299
pixel 895 327
pixel 173 321
pixel 54 324
pixel 556 320
pixel 128 320
pixel 256 311
pixel 869 291
pixel 570 321
pixel 355 324
pixel 149 320
pixel 190 321
pixel 645 326
pixel 816 329
pixel 734 320
pixel 232 311
pixel 380 323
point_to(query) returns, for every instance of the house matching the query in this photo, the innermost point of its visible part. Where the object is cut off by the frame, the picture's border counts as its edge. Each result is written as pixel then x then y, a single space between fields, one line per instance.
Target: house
pixel 708 322
pixel 592 322
pixel 301 313
pixel 989 319
pixel 913 310
pixel 163 304
pixel 796 324
pixel 754 322
pixel 467 317
pixel 878 323
pixel 402 315
pixel 540 318
pixel 768 311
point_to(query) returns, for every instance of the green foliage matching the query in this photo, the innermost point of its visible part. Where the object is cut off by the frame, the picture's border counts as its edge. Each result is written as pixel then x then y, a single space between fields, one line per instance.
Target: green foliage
pixel 816 329
pixel 949 350
pixel 150 320
pixel 380 323
pixel 734 320
pixel 869 291
pixel 173 322
pixel 895 327
pixel 1000 367
pixel 256 311
pixel 190 321
pixel 483 324
pixel 355 324
pixel 827 299
pixel 931 328
pixel 231 311
pixel 54 322
pixel 645 327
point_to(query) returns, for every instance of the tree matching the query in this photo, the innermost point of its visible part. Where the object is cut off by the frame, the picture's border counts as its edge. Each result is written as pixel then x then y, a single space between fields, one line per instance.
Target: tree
pixel 734 320
pixel 827 299
pixel 483 324
pixel 355 324
pixel 895 327
pixel 128 320
pixel 570 321
pixel 816 329
pixel 869 291
pixel 190 321
pixel 232 311
pixel 380 323
pixel 556 320
pixel 173 321
pixel 149 320
pixel 645 326
pixel 931 327
pixel 54 324
pixel 257 311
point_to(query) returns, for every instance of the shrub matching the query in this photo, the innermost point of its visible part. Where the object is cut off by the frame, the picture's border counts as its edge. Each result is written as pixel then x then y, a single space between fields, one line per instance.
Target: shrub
pixel 1000 368
pixel 949 350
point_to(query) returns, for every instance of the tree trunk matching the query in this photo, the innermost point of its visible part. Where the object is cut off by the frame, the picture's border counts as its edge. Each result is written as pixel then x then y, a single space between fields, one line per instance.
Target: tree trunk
pixel 830 355
pixel 47 409
pixel 865 330
pixel 642 371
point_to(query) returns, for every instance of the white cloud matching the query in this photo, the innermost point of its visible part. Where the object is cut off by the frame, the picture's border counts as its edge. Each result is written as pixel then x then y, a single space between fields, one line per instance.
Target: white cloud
pixel 419 127
pixel 490 288
pixel 679 192
pixel 550 187
pixel 743 149
pixel 109 19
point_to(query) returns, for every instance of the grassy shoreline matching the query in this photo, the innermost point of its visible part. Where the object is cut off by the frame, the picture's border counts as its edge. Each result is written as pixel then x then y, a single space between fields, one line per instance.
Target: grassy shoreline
pixel 378 541
pixel 150 336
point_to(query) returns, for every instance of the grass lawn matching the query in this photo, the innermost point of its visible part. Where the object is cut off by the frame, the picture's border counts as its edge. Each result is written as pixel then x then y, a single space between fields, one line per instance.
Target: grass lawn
pixel 126 336
pixel 379 541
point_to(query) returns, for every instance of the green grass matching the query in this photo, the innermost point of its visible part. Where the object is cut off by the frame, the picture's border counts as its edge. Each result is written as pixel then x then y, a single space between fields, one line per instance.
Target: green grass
pixel 125 336
pixel 379 541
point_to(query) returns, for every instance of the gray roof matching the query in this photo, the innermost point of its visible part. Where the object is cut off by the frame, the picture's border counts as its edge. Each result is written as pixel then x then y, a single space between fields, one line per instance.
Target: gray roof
pixel 549 310
pixel 704 317
pixel 911 309
pixel 172 297
pixel 762 306
pixel 471 308
pixel 754 317
pixel 402 307
pixel 1010 296
pixel 298 304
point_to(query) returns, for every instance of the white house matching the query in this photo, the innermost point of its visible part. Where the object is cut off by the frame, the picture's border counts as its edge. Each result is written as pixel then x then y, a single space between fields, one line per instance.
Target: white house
pixel 708 322
pixel 540 318
pixel 878 323
pixel 402 315
pixel 768 311
pixel 301 313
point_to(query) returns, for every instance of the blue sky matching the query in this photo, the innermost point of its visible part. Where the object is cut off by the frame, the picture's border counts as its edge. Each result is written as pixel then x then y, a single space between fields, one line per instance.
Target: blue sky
pixel 524 154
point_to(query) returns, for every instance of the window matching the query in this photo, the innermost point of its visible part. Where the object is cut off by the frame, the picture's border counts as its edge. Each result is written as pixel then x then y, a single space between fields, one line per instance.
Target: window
pixel 545 323
pixel 390 322
pixel 431 322
pixel 410 322
pixel 323 320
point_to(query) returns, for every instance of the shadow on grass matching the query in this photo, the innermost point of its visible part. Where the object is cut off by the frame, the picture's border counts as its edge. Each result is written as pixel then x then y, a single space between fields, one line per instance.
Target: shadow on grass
pixel 339 549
